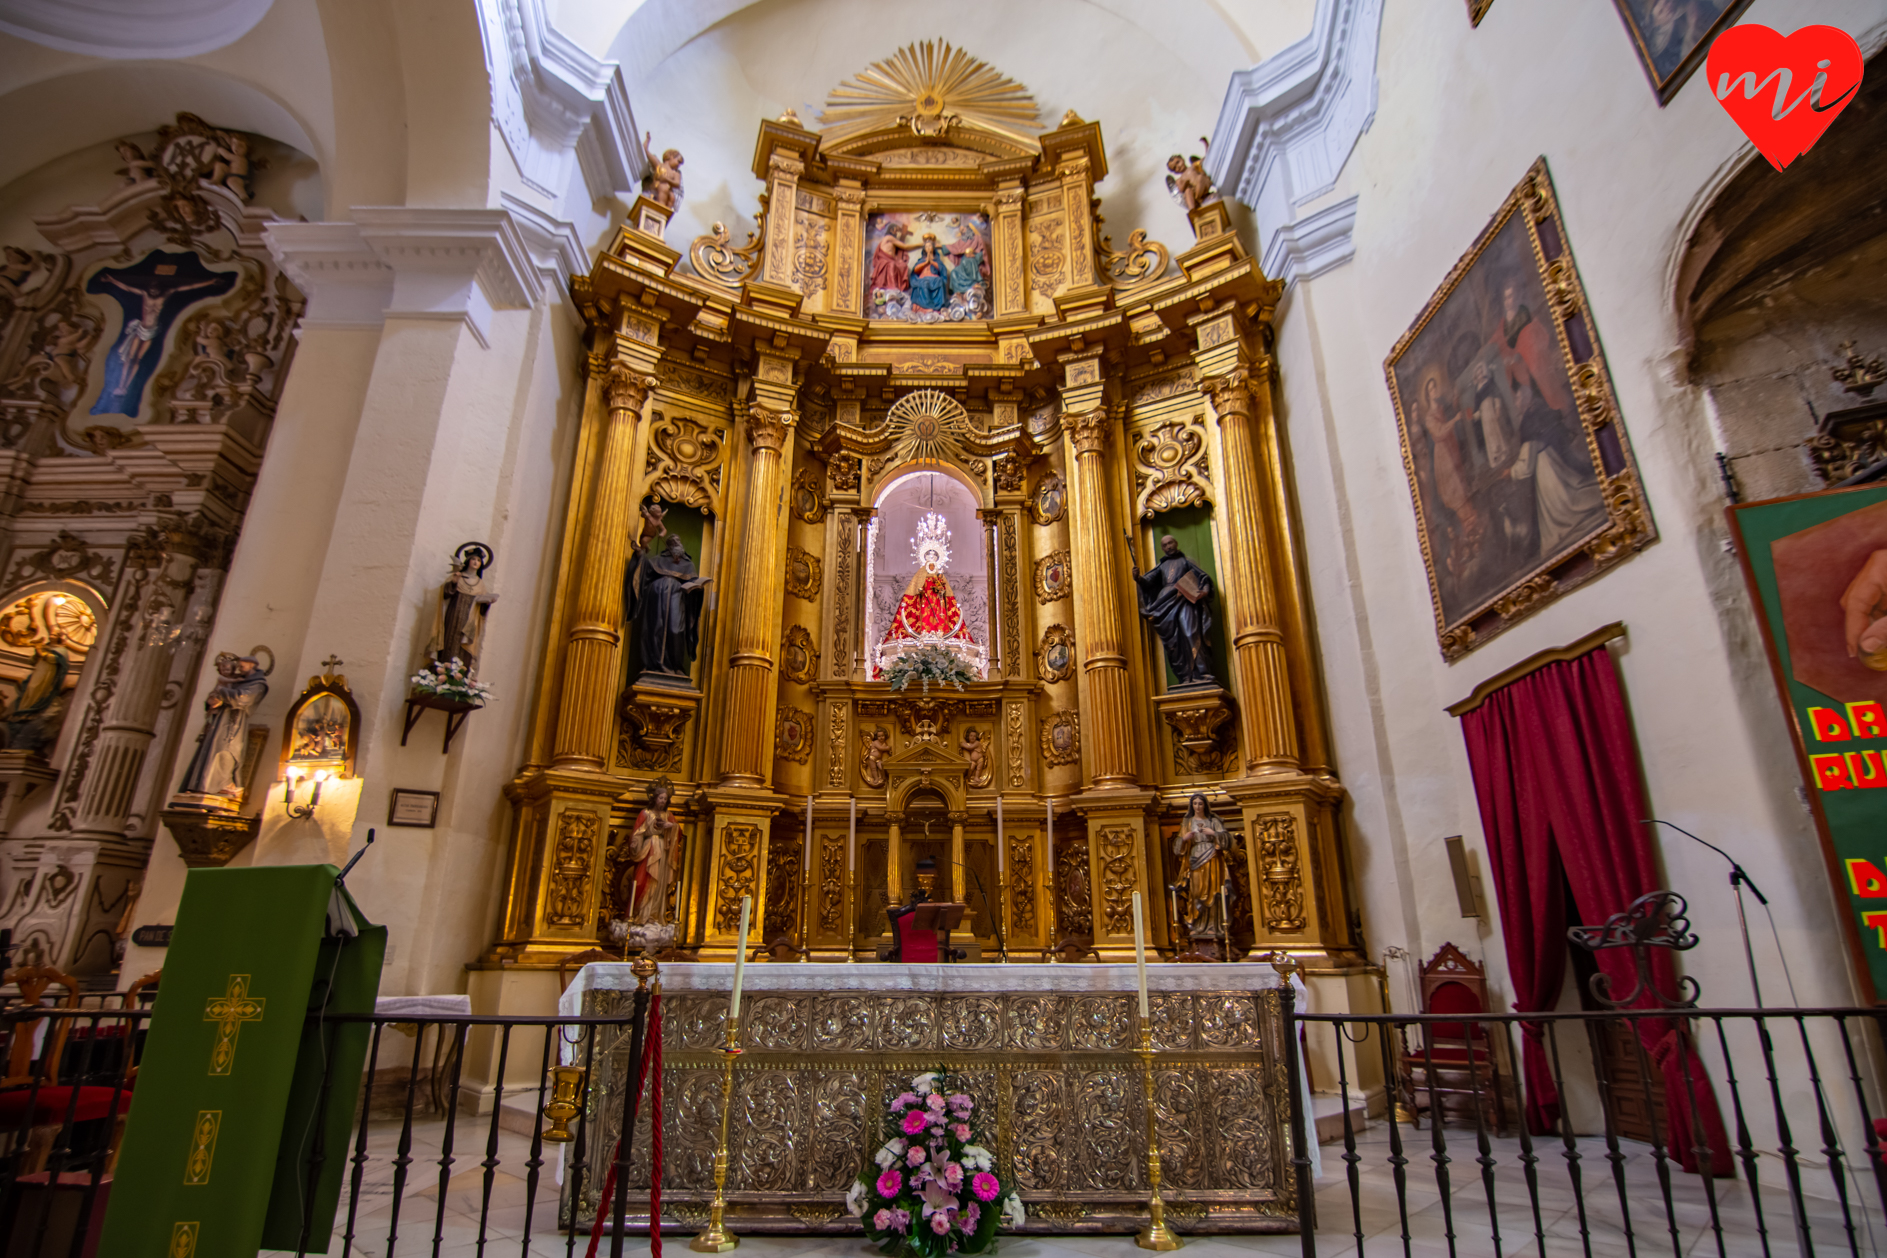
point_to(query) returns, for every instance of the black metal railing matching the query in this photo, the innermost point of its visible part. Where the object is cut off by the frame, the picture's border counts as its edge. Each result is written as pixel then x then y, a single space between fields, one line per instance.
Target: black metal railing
pixel 481 1166
pixel 1799 1164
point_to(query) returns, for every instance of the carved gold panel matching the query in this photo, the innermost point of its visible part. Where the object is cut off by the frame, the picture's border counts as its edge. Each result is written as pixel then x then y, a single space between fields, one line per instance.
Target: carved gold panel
pixel 802 574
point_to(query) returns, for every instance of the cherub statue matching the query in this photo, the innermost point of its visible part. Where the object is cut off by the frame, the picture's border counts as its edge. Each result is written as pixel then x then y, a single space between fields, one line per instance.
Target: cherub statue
pixel 652 527
pixel 976 751
pixel 664 175
pixel 1189 184
pixel 871 765
pixel 231 164
pixel 137 167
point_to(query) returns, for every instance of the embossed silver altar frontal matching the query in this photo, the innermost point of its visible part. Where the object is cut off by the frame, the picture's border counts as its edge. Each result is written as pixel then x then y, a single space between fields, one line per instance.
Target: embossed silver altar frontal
pixel 820 1066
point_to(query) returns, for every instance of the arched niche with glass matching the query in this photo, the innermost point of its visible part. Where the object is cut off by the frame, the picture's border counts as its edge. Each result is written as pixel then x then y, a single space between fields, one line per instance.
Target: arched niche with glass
pixel 927 575
pixel 323 733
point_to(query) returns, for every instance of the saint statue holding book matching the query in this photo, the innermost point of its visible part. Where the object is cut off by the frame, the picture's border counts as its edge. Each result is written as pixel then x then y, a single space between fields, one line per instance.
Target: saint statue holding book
pixel 1176 598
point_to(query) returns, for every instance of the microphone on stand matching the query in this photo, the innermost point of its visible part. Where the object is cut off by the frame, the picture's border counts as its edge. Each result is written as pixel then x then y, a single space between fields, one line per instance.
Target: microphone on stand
pixel 995 918
pixel 1739 878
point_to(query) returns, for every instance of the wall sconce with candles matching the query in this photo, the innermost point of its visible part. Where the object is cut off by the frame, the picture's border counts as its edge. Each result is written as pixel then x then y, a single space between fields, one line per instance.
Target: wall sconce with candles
pixel 296 773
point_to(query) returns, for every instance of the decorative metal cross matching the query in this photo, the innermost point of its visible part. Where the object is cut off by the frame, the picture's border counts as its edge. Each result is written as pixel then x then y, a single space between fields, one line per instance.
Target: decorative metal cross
pixel 229 1011
pixel 1658 919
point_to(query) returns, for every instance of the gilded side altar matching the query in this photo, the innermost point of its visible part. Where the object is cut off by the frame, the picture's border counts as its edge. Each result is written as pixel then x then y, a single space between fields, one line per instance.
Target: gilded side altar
pixel 826 1048
pixel 928 321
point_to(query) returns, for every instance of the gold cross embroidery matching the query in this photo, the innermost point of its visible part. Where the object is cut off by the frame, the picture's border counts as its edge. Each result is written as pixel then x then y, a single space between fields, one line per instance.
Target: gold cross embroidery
pixel 202 1146
pixel 229 1011
pixel 183 1240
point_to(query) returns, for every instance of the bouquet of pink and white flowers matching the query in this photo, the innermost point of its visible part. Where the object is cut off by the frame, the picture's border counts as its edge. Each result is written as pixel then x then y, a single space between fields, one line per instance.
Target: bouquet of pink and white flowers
pixel 932 1189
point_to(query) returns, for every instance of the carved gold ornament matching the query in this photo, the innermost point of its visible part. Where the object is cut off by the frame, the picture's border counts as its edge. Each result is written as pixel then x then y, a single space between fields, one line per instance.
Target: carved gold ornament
pixel 799 656
pixel 1142 262
pixel 1170 469
pixel 792 735
pixel 809 503
pixel 1061 738
pixel 1281 879
pixel 928 427
pixel 577 832
pixel 1055 657
pixel 740 866
pixel 714 256
pixel 1054 577
pixel 684 461
pixel 931 87
pixel 1050 500
pixel 802 574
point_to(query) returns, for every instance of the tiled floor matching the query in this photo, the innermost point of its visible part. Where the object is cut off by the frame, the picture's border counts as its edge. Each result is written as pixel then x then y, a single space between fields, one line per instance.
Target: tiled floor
pixel 458 1228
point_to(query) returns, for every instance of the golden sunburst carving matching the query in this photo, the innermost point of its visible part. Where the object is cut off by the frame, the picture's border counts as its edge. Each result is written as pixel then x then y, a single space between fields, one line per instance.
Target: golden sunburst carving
pixel 929 427
pixel 930 87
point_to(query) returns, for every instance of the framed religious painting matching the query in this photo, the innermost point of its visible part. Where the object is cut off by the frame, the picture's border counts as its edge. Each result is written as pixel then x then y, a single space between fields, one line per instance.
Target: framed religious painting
pixel 926 266
pixel 1054 576
pixel 1672 37
pixel 1523 479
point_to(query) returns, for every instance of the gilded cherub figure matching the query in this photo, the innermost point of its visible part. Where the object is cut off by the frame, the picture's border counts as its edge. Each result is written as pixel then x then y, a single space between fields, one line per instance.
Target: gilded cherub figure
pixel 871 764
pixel 1188 183
pixel 137 167
pixel 664 175
pixel 976 751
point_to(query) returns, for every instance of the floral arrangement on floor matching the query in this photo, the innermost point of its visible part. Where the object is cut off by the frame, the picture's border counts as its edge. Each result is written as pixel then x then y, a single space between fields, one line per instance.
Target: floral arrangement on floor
pixel 932 1189
pixel 450 680
pixel 927 664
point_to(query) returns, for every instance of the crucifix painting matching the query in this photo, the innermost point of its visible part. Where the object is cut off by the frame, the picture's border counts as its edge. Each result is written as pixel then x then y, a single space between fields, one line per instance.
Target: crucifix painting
pixel 152 293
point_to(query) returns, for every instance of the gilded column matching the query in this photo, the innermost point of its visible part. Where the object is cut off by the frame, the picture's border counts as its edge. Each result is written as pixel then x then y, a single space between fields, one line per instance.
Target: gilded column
pixel 1108 721
pixel 585 718
pixel 747 751
pixel 1267 719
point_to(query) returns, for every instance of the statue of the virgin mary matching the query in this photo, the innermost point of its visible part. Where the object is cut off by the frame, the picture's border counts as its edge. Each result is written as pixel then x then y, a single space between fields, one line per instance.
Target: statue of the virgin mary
pixel 928 611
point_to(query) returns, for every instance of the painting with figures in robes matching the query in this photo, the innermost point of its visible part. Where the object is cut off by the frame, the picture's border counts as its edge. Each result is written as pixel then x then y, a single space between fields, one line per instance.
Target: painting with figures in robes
pixel 1672 37
pixel 1510 474
pixel 926 266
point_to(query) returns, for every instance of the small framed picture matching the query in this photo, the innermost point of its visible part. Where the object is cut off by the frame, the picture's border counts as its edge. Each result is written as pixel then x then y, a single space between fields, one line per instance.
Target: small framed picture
pixel 418 809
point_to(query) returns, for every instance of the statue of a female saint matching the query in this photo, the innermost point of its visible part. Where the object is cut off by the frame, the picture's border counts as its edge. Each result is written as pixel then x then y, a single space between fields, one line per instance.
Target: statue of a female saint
pixel 651 852
pixel 1203 843
pixel 215 772
pixel 32 721
pixel 458 628
pixel 662 594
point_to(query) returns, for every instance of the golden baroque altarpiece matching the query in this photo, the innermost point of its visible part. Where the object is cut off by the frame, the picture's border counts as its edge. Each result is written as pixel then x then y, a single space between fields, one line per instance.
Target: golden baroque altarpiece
pixel 790 397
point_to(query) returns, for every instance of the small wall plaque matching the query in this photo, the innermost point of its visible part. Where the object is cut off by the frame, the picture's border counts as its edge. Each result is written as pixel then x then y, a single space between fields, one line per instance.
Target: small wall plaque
pixel 416 809
pixel 152 936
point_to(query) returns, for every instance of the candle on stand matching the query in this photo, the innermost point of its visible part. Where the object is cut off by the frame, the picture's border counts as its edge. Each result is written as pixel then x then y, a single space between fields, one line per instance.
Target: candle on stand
pixel 740 961
pixel 809 830
pixel 851 839
pixel 1140 953
pixel 1002 867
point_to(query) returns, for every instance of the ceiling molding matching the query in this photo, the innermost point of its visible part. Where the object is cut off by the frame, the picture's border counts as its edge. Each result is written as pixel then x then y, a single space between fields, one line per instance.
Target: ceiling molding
pixel 1289 124
pixel 553 102
pixel 144 30
pixel 1313 244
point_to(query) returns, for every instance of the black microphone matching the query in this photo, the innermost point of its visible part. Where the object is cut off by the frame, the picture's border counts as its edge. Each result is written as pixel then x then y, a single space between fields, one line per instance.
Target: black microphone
pixel 340 879
pixel 1737 872
pixel 995 918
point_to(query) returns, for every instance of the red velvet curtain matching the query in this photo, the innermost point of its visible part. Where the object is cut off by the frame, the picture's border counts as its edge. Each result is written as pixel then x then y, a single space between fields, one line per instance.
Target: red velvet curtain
pixel 1557 777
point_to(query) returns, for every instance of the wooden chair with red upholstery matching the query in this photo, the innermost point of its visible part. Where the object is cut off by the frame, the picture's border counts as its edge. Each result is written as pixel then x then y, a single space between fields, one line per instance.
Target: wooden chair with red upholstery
pixel 1451 1066
pixel 32 1100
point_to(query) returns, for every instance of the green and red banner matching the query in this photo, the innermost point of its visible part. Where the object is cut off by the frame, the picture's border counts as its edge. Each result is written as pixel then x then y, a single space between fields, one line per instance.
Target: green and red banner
pixel 1817 566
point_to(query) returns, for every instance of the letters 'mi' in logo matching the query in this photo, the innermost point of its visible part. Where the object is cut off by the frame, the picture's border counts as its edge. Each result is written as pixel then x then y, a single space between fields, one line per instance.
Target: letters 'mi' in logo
pixel 1754 72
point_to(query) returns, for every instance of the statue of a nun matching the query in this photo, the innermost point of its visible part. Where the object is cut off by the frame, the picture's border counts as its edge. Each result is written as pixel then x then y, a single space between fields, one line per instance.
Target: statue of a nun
pixel 458 629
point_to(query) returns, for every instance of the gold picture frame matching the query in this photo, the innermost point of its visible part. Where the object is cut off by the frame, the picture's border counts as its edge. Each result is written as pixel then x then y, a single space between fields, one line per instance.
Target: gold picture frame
pixel 1054 577
pixel 1477 9
pixel 1061 738
pixel 1517 458
pixel 792 734
pixel 1673 37
pixel 1049 502
pixel 802 574
pixel 799 656
pixel 1055 657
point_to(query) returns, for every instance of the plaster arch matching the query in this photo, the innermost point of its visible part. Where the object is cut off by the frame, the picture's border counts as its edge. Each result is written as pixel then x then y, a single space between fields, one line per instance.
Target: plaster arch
pixel 101 103
pixel 132 28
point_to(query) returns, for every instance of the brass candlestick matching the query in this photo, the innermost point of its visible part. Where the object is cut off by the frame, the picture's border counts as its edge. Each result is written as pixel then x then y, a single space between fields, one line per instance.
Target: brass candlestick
pixel 1155 1235
pixel 851 923
pixel 715 1238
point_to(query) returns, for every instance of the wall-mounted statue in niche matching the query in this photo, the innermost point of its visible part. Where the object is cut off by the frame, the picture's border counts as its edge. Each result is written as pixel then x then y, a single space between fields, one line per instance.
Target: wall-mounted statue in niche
pixel 214 777
pixel 458 627
pixel 1202 844
pixel 651 856
pixel 975 749
pixel 1176 598
pixel 871 761
pixel 662 595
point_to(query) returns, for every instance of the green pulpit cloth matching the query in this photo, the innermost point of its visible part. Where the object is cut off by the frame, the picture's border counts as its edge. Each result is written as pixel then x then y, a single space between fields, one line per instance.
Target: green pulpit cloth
pixel 232 1140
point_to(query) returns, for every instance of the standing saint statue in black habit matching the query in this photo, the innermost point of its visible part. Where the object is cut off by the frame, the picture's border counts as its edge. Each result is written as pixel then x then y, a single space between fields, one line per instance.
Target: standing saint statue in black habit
pixel 1176 598
pixel 662 595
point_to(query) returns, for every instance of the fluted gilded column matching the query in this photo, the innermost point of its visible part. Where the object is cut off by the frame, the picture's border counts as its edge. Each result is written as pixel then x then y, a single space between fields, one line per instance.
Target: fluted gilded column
pixel 1267 719
pixel 1107 721
pixel 748 744
pixel 586 717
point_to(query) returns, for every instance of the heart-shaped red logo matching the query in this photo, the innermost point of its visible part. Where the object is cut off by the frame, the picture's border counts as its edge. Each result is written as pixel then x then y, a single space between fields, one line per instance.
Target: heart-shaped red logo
pixel 1784 91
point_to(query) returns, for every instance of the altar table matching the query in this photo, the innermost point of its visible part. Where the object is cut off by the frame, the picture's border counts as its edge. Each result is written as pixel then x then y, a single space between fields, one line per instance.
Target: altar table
pixel 1050 1046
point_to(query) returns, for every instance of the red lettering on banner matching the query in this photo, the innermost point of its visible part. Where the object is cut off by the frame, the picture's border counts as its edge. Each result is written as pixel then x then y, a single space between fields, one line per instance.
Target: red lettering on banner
pixel 1877 921
pixel 1829 727
pixel 1868 719
pixel 1831 772
pixel 1866 880
pixel 1874 776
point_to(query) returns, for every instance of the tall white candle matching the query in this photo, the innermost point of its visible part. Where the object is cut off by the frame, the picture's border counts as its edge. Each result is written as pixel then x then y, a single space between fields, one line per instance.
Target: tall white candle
pixel 1002 867
pixel 1051 841
pixel 851 839
pixel 808 831
pixel 1140 954
pixel 740 960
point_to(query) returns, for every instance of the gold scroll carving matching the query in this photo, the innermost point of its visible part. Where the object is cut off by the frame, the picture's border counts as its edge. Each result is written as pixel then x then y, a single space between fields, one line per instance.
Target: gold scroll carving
pixel 740 866
pixel 1119 879
pixel 570 869
pixel 1022 884
pixel 1282 892
pixel 1013 719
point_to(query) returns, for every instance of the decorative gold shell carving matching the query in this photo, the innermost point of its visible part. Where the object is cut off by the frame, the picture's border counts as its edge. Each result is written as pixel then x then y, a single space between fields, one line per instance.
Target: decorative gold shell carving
pixel 1170 469
pixel 931 87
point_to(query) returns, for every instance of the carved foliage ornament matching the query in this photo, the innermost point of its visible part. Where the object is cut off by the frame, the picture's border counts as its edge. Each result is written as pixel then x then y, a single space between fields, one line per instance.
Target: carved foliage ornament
pixel 1281 879
pixel 739 874
pixel 714 256
pixel 1170 469
pixel 575 852
pixel 809 504
pixel 1119 879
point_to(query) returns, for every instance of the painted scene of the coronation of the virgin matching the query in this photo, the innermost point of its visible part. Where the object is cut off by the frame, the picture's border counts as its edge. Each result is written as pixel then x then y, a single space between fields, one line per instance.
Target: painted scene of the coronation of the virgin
pixel 927 266
pixel 1505 479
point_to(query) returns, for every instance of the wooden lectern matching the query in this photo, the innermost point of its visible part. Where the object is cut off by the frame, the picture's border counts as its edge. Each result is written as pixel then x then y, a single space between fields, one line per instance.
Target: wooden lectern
pixel 921 932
